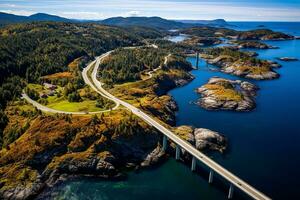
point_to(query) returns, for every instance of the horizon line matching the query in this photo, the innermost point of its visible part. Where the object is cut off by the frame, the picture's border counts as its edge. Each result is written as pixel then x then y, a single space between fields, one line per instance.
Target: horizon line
pixel 190 19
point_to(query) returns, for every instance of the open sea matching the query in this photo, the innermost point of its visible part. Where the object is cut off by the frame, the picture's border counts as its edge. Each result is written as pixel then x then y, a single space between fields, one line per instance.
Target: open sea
pixel 264 144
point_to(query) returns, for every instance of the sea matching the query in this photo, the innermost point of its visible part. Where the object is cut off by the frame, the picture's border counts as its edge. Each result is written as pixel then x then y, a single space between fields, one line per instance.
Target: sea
pixel 264 144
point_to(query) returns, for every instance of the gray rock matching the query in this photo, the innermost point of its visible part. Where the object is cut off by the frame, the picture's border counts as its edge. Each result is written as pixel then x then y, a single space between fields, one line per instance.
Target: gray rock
pixel 209 140
pixel 22 192
pixel 288 59
pixel 210 99
pixel 154 157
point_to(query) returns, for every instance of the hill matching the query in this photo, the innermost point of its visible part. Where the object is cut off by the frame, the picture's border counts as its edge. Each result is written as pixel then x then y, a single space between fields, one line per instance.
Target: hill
pixel 215 22
pixel 6 18
pixel 150 22
pixel 154 22
pixel 47 17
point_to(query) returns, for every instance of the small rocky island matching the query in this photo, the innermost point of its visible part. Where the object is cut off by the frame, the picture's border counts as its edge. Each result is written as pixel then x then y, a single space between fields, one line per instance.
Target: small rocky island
pixel 263 34
pixel 203 139
pixel 202 41
pixel 288 59
pixel 252 45
pixel 224 94
pixel 239 63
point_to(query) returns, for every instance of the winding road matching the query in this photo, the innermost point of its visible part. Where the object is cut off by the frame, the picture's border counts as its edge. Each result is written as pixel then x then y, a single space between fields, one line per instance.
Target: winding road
pixel 51 110
pixel 150 74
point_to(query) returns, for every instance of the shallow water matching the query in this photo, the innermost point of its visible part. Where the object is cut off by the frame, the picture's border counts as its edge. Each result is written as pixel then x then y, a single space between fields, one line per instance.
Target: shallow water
pixel 264 144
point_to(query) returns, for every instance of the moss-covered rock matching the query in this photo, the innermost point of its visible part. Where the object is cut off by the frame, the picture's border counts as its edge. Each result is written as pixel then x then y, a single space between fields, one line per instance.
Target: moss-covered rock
pixel 224 94
pixel 203 139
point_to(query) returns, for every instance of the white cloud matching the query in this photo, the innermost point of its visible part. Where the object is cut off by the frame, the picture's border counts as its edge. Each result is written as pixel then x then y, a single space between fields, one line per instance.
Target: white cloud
pixel 8 5
pixel 82 15
pixel 132 13
pixel 18 12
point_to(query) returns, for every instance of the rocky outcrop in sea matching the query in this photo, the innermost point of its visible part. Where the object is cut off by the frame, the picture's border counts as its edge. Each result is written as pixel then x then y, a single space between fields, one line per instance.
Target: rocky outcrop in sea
pixel 224 94
pixel 203 139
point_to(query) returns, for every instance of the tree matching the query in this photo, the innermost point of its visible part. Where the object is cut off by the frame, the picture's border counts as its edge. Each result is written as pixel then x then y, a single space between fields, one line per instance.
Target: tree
pixel 3 123
pixel 74 97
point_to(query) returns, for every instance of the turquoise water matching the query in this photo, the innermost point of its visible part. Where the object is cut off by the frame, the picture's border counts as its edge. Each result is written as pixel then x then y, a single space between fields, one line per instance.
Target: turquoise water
pixel 264 144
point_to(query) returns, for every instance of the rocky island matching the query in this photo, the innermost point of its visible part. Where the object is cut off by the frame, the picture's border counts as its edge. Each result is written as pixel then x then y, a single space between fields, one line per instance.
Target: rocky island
pixel 252 45
pixel 202 41
pixel 288 59
pixel 203 139
pixel 239 63
pixel 224 94
pixel 263 34
pixel 258 34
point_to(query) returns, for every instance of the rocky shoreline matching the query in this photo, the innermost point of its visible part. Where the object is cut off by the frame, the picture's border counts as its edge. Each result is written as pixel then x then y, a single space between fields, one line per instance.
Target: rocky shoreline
pixel 251 68
pixel 252 45
pixel 202 41
pixel 224 94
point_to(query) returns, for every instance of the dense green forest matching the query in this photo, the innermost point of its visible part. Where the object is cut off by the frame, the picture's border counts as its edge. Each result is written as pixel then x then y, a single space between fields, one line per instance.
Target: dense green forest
pixel 37 49
pixel 258 34
pixel 226 51
pixel 125 65
pixel 236 55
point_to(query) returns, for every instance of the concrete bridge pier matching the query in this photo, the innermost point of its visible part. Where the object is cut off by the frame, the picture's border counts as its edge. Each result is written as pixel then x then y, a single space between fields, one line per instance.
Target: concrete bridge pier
pixel 230 194
pixel 193 168
pixel 197 60
pixel 211 176
pixel 177 155
pixel 165 143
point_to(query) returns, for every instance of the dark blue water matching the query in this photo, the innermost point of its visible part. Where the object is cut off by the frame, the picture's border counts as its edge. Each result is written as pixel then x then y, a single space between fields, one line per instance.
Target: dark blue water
pixel 264 144
pixel 292 28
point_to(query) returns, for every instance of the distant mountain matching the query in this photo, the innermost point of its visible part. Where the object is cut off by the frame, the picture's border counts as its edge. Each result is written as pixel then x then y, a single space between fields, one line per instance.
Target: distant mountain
pixel 6 18
pixel 47 17
pixel 215 22
pixel 153 22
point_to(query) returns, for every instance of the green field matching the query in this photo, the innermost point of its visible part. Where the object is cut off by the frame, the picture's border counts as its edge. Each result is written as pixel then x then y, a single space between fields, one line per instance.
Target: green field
pixel 62 104
pixel 84 106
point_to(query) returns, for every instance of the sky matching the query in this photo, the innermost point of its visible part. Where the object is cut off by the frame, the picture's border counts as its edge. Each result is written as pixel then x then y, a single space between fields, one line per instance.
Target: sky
pixel 231 10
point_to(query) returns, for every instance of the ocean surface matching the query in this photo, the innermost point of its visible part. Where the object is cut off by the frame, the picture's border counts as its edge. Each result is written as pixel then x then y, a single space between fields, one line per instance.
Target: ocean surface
pixel 264 144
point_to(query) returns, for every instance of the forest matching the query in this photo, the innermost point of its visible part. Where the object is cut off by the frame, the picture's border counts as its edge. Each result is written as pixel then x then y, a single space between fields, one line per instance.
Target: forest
pixel 125 65
pixel 31 50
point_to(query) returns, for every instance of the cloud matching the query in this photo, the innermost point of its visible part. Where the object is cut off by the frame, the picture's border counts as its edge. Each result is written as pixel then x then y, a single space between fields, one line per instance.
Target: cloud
pixel 8 5
pixel 132 13
pixel 18 12
pixel 82 15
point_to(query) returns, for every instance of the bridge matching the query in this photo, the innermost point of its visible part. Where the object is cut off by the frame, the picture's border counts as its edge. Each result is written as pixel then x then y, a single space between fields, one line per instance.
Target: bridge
pixel 215 168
